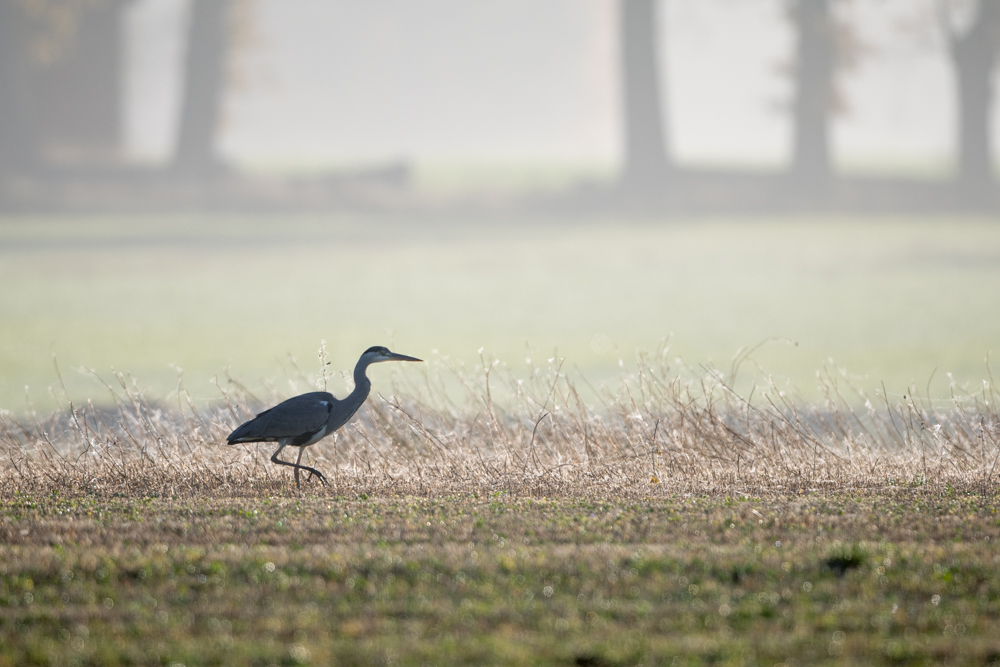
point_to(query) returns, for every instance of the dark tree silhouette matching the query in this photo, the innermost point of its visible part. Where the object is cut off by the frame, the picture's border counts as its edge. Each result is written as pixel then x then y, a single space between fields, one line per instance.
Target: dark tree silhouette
pixel 204 85
pixel 18 145
pixel 78 96
pixel 647 167
pixel 975 55
pixel 814 92
pixel 60 81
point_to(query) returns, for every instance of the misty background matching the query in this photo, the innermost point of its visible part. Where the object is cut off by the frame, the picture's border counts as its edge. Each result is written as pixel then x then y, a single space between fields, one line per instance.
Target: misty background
pixel 318 84
pixel 340 82
pixel 209 184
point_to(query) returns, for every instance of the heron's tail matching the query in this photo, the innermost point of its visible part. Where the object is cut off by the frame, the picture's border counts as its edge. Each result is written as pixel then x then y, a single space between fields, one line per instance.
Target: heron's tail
pixel 242 434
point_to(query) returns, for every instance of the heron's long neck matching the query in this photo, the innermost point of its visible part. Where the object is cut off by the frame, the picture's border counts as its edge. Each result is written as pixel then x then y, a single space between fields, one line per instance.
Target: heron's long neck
pixel 362 385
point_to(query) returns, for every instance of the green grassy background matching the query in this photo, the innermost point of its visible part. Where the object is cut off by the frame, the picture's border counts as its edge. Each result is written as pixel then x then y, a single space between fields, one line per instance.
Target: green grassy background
pixel 903 576
pixel 890 300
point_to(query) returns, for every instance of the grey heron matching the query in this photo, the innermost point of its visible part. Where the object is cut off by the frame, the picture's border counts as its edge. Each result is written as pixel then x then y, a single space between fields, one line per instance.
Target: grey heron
pixel 306 419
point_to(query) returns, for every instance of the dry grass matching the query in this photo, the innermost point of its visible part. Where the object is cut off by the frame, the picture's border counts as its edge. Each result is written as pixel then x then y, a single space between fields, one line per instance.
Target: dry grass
pixel 670 521
pixel 661 431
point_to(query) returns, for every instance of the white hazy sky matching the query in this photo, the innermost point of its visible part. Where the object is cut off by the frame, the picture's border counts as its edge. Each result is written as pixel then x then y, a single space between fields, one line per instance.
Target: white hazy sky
pixel 339 81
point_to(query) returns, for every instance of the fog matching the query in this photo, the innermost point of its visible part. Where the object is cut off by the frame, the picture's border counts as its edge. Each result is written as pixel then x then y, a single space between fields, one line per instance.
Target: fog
pixel 220 184
pixel 324 82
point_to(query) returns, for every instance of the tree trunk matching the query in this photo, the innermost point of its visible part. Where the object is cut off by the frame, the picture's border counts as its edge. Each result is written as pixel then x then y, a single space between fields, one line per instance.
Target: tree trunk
pixel 18 137
pixel 813 93
pixel 204 84
pixel 975 55
pixel 647 167
pixel 79 95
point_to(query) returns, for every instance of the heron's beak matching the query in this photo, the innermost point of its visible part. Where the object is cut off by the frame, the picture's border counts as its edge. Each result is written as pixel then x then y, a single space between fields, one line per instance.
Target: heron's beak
pixel 401 357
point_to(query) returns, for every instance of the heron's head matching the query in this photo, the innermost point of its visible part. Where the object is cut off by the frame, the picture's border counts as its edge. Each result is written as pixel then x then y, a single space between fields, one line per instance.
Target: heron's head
pixel 379 354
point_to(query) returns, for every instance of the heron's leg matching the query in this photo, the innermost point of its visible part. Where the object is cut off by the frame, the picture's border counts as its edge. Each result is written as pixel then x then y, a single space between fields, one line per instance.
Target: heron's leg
pixel 275 459
pixel 299 460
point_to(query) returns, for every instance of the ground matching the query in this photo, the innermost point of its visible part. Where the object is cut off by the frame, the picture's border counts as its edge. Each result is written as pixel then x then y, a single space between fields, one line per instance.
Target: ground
pixel 584 472
pixel 891 575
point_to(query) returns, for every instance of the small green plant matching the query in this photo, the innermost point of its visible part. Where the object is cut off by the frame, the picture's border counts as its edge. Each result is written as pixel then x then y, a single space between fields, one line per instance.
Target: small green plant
pixel 847 558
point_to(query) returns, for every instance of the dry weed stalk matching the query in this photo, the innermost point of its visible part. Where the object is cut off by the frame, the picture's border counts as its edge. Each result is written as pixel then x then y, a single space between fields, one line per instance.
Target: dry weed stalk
pixel 655 433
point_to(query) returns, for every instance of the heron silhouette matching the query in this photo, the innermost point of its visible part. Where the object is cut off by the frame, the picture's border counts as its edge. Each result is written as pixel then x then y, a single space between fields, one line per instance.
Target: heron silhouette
pixel 306 419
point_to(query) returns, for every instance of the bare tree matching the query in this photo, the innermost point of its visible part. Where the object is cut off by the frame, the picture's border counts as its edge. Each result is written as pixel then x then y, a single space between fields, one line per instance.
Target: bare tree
pixel 60 80
pixel 647 167
pixel 974 54
pixel 78 88
pixel 204 84
pixel 814 91
pixel 18 136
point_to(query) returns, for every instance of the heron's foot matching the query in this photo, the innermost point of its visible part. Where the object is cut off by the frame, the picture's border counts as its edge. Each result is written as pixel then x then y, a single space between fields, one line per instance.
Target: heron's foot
pixel 313 471
pixel 297 467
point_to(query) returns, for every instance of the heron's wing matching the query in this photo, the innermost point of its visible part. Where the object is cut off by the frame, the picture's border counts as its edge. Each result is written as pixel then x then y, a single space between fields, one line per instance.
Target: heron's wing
pixel 295 417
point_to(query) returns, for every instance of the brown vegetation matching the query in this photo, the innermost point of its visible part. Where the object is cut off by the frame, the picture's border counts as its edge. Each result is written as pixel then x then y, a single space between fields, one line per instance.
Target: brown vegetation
pixel 656 433
pixel 508 523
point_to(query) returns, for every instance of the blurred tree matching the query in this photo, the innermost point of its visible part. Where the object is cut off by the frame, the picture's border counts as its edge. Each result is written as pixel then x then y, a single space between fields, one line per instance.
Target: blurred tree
pixel 60 80
pixel 17 136
pixel 208 45
pixel 814 92
pixel 78 86
pixel 827 45
pixel 647 167
pixel 974 54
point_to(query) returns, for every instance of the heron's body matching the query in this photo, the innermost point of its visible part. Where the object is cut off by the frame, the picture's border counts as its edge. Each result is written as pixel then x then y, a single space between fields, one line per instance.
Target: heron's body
pixel 306 419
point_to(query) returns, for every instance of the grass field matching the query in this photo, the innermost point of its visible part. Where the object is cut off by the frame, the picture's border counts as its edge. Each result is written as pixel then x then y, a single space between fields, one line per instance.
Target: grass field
pixel 579 492
pixel 898 302
pixel 677 523
pixel 876 576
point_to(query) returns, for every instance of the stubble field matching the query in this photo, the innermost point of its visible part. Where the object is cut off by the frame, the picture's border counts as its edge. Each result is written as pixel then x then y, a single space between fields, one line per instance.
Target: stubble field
pixel 628 485
pixel 877 576
pixel 676 524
